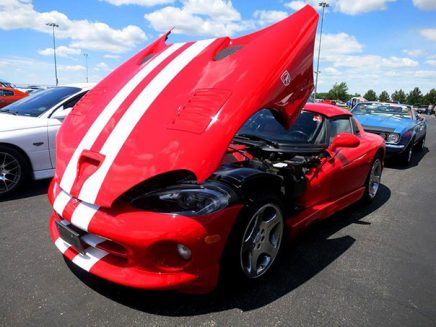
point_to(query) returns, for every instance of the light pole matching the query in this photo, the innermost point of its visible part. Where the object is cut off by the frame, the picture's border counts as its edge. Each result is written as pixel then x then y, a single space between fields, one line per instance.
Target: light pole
pixel 323 5
pixel 53 25
pixel 86 61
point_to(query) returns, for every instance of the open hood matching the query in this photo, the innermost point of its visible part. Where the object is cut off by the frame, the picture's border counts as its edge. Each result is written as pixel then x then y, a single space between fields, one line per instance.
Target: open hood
pixel 178 106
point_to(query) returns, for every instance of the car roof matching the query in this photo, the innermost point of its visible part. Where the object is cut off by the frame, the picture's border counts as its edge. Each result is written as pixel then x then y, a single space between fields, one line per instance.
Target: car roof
pixel 9 88
pixel 326 109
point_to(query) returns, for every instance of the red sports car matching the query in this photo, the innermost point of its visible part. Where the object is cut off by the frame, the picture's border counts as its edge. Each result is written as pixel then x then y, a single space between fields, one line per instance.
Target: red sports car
pixel 195 158
pixel 9 95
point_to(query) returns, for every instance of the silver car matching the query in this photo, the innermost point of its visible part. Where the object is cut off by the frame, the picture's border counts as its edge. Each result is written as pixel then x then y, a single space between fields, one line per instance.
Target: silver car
pixel 28 131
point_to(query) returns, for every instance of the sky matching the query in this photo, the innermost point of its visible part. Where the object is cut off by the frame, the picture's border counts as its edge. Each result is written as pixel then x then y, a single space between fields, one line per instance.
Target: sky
pixel 369 44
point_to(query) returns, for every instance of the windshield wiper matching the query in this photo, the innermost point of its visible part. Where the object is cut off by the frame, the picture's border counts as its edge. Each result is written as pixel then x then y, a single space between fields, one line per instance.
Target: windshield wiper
pixel 7 111
pixel 252 137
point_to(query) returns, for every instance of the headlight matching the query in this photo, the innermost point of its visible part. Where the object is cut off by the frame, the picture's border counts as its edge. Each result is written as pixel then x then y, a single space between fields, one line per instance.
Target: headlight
pixel 187 201
pixel 393 138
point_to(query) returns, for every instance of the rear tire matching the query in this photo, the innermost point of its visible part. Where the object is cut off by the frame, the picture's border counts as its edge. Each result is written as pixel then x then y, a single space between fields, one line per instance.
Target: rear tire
pixel 255 241
pixel 14 170
pixel 372 183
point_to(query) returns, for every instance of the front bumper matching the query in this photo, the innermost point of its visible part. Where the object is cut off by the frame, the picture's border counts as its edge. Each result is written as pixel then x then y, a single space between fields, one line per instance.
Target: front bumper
pixel 138 249
pixel 394 149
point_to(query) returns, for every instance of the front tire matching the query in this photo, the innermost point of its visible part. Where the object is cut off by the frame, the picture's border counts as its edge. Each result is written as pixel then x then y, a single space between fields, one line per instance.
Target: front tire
pixel 407 155
pixel 13 170
pixel 255 241
pixel 421 145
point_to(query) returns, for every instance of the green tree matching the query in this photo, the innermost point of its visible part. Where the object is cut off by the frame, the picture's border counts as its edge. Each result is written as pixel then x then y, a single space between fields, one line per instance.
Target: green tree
pixel 370 95
pixel 384 96
pixel 430 97
pixel 399 96
pixel 339 91
pixel 322 95
pixel 415 97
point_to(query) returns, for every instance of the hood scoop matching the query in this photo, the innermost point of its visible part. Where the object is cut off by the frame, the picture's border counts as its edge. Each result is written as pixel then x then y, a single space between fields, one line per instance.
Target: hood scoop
pixel 88 164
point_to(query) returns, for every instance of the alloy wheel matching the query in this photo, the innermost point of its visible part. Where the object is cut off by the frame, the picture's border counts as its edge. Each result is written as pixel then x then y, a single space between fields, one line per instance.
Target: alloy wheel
pixel 10 172
pixel 261 241
pixel 374 178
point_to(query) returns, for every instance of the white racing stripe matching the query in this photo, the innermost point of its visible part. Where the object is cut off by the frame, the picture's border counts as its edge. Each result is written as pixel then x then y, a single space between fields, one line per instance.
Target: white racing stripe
pixel 62 245
pixel 61 201
pixel 94 131
pixel 83 214
pixel 89 259
pixel 132 116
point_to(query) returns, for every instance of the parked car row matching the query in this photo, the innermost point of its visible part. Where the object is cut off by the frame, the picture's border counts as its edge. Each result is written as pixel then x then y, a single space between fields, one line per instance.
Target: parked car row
pixel 428 110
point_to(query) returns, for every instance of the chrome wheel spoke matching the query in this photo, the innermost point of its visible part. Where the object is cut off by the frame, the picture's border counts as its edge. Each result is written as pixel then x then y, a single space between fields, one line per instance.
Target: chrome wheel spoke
pixel 6 185
pixel 253 258
pixel 270 224
pixel 269 249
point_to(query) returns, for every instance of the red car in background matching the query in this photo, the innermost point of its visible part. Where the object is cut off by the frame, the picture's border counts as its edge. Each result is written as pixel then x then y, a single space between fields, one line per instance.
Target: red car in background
pixel 195 159
pixel 9 95
pixel 326 101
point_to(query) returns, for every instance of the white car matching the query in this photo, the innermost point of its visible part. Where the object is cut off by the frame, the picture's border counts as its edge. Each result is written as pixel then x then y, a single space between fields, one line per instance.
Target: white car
pixel 28 131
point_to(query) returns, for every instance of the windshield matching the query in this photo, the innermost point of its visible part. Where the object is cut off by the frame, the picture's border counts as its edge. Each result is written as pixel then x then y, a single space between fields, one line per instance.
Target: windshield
pixel 39 102
pixel 308 128
pixel 382 109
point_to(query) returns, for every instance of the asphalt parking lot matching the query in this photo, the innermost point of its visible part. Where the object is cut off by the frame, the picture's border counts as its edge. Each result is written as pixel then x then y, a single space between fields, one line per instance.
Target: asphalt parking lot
pixel 368 265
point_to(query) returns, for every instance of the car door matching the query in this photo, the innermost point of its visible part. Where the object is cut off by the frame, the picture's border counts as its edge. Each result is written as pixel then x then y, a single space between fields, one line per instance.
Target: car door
pixel 6 97
pixel 2 99
pixel 420 127
pixel 55 123
pixel 348 165
pixel 10 96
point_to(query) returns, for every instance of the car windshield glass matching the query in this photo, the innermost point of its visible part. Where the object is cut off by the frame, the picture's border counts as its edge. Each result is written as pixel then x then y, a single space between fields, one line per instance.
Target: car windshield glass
pixel 37 103
pixel 308 128
pixel 382 109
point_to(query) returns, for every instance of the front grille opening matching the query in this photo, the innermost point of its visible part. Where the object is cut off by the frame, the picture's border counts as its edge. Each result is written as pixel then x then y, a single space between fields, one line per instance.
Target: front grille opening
pixel 115 250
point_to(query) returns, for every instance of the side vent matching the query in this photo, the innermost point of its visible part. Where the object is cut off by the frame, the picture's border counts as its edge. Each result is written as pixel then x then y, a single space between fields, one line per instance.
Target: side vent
pixel 227 52
pixel 199 111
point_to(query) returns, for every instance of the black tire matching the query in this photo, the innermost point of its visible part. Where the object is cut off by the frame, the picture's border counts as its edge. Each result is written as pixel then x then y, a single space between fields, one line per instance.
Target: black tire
pixel 407 155
pixel 421 144
pixel 236 254
pixel 14 170
pixel 371 190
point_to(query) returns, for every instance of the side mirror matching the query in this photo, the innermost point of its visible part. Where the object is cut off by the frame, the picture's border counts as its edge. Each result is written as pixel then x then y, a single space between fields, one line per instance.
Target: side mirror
pixel 344 140
pixel 61 114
